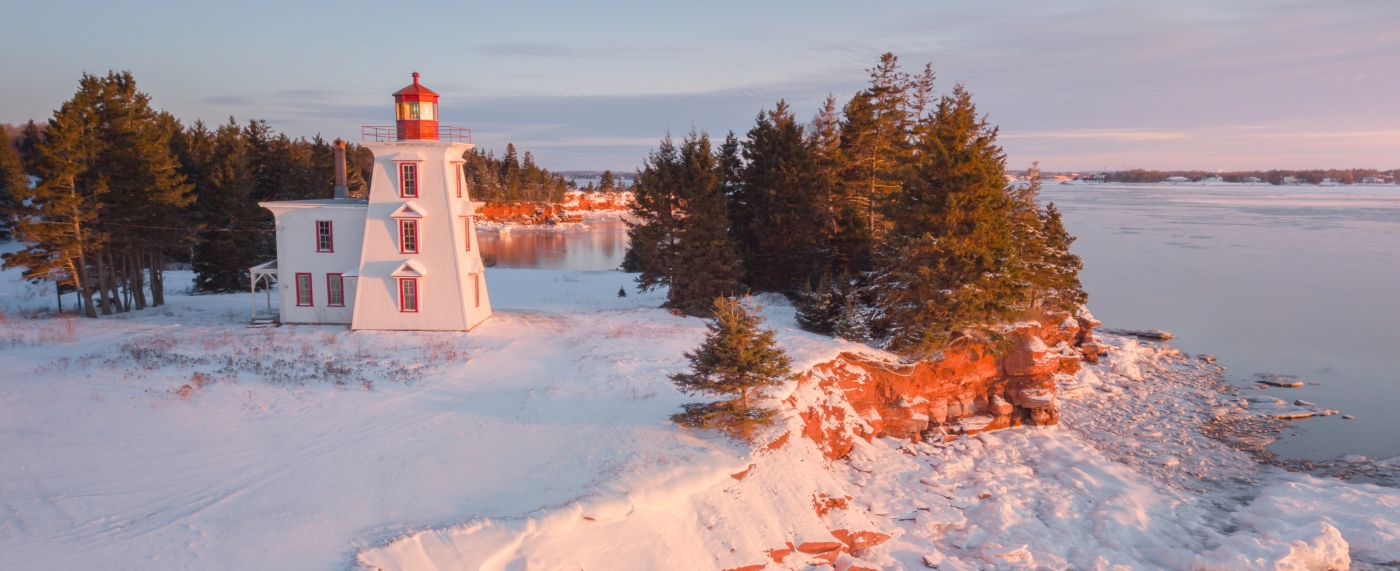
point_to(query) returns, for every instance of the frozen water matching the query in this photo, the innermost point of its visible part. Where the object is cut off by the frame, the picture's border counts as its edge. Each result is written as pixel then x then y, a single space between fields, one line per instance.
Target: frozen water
pixel 1289 281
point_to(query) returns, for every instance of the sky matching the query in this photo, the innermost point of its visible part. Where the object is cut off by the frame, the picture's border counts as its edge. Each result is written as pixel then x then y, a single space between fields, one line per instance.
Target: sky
pixel 1073 84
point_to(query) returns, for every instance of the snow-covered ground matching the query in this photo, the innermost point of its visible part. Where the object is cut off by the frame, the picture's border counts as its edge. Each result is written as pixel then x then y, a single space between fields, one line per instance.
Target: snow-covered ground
pixel 178 438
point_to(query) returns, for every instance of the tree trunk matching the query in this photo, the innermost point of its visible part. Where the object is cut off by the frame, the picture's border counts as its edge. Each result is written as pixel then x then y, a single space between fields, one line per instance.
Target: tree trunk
pixel 113 282
pixel 138 280
pixel 84 284
pixel 104 298
pixel 157 279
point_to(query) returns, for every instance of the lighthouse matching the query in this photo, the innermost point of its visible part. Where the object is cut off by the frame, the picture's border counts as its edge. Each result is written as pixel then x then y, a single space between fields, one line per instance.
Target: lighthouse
pixel 407 257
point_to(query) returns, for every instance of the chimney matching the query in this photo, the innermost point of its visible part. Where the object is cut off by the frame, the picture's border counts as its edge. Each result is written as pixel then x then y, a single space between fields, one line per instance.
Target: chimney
pixel 340 191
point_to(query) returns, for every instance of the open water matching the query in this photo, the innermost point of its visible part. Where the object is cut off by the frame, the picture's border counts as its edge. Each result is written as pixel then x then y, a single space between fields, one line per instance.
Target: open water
pixel 1287 280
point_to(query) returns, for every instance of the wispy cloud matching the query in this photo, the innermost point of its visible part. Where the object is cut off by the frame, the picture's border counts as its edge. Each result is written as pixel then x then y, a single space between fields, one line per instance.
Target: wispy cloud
pixel 1105 134
pixel 525 49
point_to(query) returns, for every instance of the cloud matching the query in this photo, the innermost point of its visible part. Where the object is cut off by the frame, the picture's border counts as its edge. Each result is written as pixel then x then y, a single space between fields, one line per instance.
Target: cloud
pixel 1106 134
pixel 524 49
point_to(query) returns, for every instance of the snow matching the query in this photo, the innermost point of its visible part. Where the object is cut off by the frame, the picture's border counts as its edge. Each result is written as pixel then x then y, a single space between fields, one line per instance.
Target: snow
pixel 178 438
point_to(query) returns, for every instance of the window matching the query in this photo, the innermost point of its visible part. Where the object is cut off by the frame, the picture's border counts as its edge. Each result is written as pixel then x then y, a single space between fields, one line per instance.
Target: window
pixel 408 180
pixel 468 224
pixel 460 173
pixel 420 110
pixel 408 236
pixel 408 295
pixel 304 289
pixel 335 290
pixel 324 240
pixel 476 288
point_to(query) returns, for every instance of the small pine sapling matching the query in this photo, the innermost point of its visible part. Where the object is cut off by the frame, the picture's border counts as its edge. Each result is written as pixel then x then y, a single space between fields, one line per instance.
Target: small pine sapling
pixel 622 292
pixel 737 360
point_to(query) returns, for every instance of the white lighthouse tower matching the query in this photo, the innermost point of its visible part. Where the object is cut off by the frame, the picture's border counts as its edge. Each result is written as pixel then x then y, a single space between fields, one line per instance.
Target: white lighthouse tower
pixel 419 265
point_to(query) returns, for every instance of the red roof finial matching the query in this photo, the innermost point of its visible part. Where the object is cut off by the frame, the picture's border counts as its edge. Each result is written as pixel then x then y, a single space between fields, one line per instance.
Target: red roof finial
pixel 415 78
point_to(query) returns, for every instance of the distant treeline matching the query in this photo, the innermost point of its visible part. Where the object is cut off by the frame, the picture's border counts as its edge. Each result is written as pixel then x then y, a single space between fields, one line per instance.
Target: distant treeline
pixel 1316 176
pixel 510 179
pixel 109 191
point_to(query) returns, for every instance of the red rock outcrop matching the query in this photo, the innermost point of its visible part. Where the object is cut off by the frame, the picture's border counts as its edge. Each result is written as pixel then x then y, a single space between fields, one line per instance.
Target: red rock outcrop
pixel 965 389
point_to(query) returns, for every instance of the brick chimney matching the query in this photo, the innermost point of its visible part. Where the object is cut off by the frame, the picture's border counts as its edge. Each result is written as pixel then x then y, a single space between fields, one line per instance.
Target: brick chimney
pixel 340 190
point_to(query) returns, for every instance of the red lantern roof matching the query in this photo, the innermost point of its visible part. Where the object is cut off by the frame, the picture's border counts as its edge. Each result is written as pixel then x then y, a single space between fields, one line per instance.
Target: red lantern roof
pixel 415 89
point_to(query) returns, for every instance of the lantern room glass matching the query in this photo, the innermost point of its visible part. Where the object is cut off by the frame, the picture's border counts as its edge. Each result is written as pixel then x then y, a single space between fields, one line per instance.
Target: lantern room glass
pixel 417 110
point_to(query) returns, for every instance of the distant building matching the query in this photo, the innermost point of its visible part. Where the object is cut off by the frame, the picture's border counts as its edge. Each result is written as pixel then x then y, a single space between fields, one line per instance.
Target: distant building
pixel 406 257
pixel 1177 179
pixel 1213 179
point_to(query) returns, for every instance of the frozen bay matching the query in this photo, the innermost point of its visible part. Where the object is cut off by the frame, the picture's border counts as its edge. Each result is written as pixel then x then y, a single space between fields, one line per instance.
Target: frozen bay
pixel 1298 280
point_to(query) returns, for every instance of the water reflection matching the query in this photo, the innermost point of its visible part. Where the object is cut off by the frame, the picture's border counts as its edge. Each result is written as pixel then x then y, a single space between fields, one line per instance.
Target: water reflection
pixel 599 245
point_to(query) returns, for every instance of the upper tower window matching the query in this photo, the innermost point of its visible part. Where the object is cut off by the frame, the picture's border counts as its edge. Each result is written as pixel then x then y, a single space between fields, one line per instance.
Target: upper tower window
pixel 408 180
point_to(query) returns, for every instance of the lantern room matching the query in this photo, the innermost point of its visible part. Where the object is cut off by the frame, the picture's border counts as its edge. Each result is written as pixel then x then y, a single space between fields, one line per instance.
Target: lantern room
pixel 417 113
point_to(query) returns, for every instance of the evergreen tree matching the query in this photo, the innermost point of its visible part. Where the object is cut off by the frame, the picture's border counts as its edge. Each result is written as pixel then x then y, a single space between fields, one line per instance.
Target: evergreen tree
pixel 706 266
pixel 142 212
pixel 828 165
pixel 737 360
pixel 652 240
pixel 681 240
pixel 1058 287
pixel 234 232
pixel 779 228
pixel 950 267
pixel 876 146
pixel 606 182
pixel 13 180
pixel 55 218
pixel 1050 271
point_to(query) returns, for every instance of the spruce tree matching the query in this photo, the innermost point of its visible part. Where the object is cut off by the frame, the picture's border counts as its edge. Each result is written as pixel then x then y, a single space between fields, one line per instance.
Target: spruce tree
pixel 13 180
pixel 234 232
pixel 737 360
pixel 1060 288
pixel 781 231
pixel 1050 271
pixel 706 266
pixel 653 238
pixel 681 240
pixel 606 182
pixel 876 146
pixel 950 267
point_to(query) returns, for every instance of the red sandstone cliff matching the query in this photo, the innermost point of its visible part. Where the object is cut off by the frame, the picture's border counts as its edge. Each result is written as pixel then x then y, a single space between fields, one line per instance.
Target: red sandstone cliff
pixel 964 390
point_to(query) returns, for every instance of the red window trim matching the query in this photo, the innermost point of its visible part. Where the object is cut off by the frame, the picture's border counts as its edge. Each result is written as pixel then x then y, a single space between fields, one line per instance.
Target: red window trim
pixel 476 288
pixel 417 179
pixel 310 290
pixel 417 296
pixel 469 233
pixel 330 226
pixel 417 236
pixel 328 290
pixel 461 174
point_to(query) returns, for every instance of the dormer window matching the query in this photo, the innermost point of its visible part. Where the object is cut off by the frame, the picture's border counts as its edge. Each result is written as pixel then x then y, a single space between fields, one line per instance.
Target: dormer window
pixel 408 180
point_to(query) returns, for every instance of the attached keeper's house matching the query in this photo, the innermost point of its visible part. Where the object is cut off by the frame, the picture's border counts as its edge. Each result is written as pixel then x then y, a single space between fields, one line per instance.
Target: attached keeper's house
pixel 406 257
